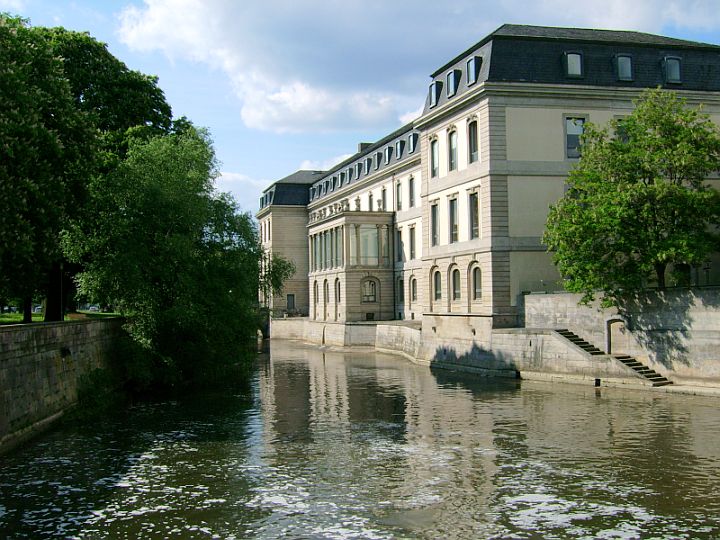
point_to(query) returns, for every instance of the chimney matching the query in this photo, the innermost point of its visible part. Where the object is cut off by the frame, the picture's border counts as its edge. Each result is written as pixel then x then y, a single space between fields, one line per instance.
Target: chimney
pixel 363 146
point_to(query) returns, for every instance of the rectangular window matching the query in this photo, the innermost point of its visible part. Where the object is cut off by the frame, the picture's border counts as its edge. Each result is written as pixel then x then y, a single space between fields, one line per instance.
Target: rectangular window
pixel 411 189
pixel 573 64
pixel 435 90
pixel 452 150
pixel 412 142
pixel 474 203
pixel 378 158
pixel 434 225
pixel 398 246
pixel 434 158
pixel 453 222
pixel 453 79
pixel 573 132
pixel 412 243
pixel 388 153
pixel 383 195
pixel 291 302
pixel 398 196
pixel 623 67
pixel 473 69
pixel 350 174
pixel 399 149
pixel 358 169
pixel 671 69
pixel 368 165
pixel 472 142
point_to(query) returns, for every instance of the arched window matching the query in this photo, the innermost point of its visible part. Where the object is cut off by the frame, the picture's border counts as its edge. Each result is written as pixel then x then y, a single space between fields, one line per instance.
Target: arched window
pixel 315 296
pixel 413 290
pixel 337 291
pixel 476 283
pixel 472 142
pixel 434 158
pixel 369 291
pixel 452 150
pixel 370 202
pixel 437 285
pixel 456 284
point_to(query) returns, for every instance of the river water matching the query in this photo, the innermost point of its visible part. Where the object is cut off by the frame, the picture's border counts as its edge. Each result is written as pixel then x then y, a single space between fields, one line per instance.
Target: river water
pixel 325 444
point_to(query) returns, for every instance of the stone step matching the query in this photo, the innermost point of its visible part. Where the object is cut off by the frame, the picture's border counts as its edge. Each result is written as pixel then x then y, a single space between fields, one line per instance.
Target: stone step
pixel 661 383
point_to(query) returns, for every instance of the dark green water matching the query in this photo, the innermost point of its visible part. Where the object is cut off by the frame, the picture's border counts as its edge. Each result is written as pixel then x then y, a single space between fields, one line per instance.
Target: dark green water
pixel 331 445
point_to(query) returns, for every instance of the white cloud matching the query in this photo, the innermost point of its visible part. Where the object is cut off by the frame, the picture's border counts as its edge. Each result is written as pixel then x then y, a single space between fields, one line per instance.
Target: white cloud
pixel 12 6
pixel 325 165
pixel 244 189
pixel 318 65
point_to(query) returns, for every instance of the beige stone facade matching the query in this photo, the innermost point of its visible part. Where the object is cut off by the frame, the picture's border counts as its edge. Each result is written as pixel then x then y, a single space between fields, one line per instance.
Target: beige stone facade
pixel 460 248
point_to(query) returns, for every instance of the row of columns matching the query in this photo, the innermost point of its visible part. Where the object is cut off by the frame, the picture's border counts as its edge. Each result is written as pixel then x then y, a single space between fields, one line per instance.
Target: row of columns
pixel 327 249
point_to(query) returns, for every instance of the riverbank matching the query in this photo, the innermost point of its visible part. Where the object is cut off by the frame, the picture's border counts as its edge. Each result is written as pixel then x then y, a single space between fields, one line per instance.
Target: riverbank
pixel 537 354
pixel 42 367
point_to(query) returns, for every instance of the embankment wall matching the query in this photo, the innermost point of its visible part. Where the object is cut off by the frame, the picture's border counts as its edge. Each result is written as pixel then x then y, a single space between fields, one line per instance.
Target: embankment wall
pixel 41 366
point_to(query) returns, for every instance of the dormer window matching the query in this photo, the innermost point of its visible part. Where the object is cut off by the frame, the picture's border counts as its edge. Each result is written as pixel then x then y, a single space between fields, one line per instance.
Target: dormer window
pixel 435 90
pixel 350 173
pixel 399 145
pixel 388 154
pixel 453 80
pixel 378 157
pixel 573 65
pixel 671 69
pixel 334 183
pixel 342 179
pixel 412 142
pixel 368 165
pixel 623 67
pixel 358 169
pixel 473 69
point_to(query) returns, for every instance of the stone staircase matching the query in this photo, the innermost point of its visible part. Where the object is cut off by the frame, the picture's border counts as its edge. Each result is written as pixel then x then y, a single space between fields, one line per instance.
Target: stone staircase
pixel 638 367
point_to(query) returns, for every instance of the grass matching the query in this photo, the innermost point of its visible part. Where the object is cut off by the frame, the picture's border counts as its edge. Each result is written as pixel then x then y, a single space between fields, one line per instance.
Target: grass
pixel 16 318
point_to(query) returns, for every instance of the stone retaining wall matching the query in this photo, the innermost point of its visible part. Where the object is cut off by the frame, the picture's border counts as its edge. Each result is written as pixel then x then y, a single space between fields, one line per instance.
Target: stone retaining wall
pixel 675 332
pixel 530 354
pixel 40 367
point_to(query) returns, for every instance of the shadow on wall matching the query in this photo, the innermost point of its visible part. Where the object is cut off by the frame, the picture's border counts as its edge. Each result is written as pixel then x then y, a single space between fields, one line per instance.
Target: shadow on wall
pixel 661 321
pixel 477 358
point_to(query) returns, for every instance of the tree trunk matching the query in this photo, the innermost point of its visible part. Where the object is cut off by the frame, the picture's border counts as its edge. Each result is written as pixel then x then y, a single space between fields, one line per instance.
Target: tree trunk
pixel 54 303
pixel 660 271
pixel 27 309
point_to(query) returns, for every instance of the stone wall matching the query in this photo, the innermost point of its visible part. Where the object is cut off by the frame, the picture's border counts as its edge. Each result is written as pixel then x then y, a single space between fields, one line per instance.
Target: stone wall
pixel 676 332
pixel 530 354
pixel 40 367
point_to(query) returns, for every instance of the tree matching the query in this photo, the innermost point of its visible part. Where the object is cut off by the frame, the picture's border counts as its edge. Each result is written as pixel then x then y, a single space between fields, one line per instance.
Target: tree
pixel 638 201
pixel 47 148
pixel 172 255
pixel 119 102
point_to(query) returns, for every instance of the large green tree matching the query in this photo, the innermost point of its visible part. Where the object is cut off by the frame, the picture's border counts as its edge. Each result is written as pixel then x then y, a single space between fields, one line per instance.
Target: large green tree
pixel 638 202
pixel 47 149
pixel 172 255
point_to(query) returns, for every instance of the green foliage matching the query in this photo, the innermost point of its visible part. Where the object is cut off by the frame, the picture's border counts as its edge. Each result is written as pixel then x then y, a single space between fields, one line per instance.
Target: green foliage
pixel 171 255
pixel 47 149
pixel 638 201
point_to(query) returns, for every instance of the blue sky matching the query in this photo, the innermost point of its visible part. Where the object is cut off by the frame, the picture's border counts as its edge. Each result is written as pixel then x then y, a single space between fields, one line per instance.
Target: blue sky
pixel 283 84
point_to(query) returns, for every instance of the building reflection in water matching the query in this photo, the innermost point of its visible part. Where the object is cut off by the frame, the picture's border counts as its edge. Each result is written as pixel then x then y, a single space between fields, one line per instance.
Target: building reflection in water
pixel 443 453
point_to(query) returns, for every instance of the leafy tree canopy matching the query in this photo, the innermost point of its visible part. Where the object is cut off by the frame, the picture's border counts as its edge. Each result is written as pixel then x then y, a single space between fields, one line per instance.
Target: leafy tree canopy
pixel 638 201
pixel 170 253
pixel 47 149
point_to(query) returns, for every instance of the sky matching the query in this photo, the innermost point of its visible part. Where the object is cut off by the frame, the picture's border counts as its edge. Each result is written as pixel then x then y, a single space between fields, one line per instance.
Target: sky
pixel 284 85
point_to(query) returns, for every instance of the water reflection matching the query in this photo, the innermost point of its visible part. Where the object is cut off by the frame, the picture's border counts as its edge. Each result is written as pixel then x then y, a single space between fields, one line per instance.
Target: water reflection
pixel 359 445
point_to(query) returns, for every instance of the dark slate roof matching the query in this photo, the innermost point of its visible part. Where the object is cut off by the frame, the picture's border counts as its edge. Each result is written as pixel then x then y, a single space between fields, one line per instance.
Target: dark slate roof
pixel 534 54
pixel 291 190
pixel 588 35
pixel 300 177
pixel 591 35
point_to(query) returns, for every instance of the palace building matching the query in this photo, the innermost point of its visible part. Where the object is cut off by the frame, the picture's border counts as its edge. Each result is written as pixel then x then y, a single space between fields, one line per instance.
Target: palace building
pixel 441 221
